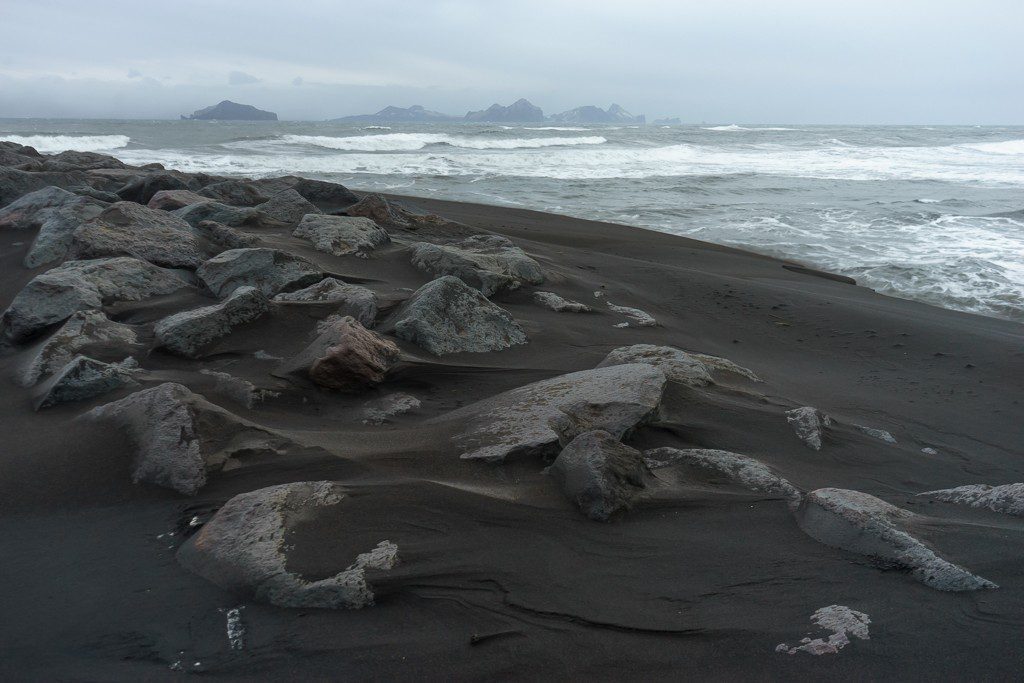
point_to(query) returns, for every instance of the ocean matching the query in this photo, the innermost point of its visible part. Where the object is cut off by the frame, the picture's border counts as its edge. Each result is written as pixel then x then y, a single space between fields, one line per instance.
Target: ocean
pixel 931 213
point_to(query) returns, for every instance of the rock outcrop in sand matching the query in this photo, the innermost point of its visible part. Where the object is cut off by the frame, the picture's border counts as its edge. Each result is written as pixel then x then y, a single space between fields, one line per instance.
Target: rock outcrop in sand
pixel 1007 498
pixel 489 263
pixel 84 378
pixel 242 549
pixel 741 470
pixel 358 302
pixel 863 524
pixel 691 369
pixel 842 621
pixel 130 229
pixel 288 206
pixel 558 304
pixel 382 409
pixel 341 235
pixel 599 474
pixel 358 360
pixel 809 424
pixel 82 333
pixel 448 316
pixel 269 270
pixel 190 333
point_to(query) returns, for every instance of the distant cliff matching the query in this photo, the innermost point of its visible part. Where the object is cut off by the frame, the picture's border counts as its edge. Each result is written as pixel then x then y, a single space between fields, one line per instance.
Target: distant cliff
pixel 390 114
pixel 592 114
pixel 231 111
pixel 521 111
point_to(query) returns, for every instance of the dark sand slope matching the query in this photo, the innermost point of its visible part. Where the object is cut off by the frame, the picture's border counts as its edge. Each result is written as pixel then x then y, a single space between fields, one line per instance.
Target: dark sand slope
pixel 486 566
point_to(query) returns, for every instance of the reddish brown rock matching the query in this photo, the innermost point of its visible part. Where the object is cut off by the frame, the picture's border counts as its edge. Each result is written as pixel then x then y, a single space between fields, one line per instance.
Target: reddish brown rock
pixel 359 360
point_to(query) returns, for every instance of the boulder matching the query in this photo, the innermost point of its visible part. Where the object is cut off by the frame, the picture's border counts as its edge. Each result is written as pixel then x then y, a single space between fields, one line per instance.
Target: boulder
pixel 841 621
pixel 288 206
pixel 225 236
pixel 190 333
pixel 863 524
pixel 269 270
pixel 143 188
pixel 1007 498
pixel 83 332
pixel 359 360
pixel 82 161
pixel 716 364
pixel 341 235
pixel 358 302
pixel 599 474
pixel 32 209
pixel 448 316
pixel 879 434
pixel 741 470
pixel 179 436
pixel 490 263
pixel 84 378
pixel 329 197
pixel 171 200
pixel 536 419
pixel 558 304
pixel 15 183
pixel 809 424
pixel 233 216
pixel 243 549
pixel 637 318
pixel 55 295
pixel 380 410
pixel 237 389
pixel 678 366
pixel 234 192
pixel 380 211
pixel 130 229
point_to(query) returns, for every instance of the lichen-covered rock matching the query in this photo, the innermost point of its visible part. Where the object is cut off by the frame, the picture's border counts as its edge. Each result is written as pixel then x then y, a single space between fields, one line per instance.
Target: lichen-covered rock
pixel 56 232
pixel 380 211
pixel 287 206
pixel 599 474
pixel 225 236
pixel 341 235
pixel 716 364
pixel 84 378
pixel 179 437
pixel 448 316
pixel 637 318
pixel 879 434
pixel 236 192
pixel 1007 498
pixel 83 332
pixel 809 424
pixel 269 270
pixel 242 549
pixel 382 409
pixel 130 229
pixel 535 420
pixel 842 621
pixel 55 295
pixel 742 470
pixel 30 210
pixel 558 304
pixel 489 263
pixel 358 360
pixel 172 200
pixel 189 333
pixel 678 366
pixel 358 302
pixel 863 524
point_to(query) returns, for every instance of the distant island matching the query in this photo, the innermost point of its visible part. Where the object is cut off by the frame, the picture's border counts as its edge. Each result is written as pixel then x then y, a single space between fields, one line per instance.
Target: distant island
pixel 592 114
pixel 230 111
pixel 391 114
pixel 520 111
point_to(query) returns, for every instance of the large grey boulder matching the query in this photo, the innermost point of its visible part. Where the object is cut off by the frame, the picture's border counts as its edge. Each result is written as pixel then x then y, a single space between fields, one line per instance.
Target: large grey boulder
pixel 236 192
pixel 329 197
pixel 599 474
pixel 341 235
pixel 358 302
pixel 83 332
pixel 287 206
pixel 448 316
pixel 56 233
pixel 863 524
pixel 489 263
pixel 810 424
pixel 536 419
pixel 130 229
pixel 84 378
pixel 1007 498
pixel 692 369
pixel 233 216
pixel 141 189
pixel 269 270
pixel 172 200
pixel 243 549
pixel 179 437
pixel 30 210
pixel 741 470
pixel 190 333
pixel 55 295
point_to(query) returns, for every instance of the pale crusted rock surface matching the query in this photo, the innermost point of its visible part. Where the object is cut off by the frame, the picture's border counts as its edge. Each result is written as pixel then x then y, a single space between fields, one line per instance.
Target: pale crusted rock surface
pixel 1006 498
pixel 860 523
pixel 189 333
pixel 358 360
pixel 599 474
pixel 535 419
pixel 55 295
pixel 717 364
pixel 742 470
pixel 242 549
pixel 678 366
pixel 354 300
pixel 637 318
pixel 558 304
pixel 341 235
pixel 879 434
pixel 238 389
pixel 84 378
pixel 489 263
pixel 269 270
pixel 809 424
pixel 842 621
pixel 448 316
pixel 130 229
pixel 380 410
pixel 81 332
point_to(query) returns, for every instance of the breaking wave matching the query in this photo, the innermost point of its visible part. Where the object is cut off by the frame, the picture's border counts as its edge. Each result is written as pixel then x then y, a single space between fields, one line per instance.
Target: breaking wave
pixel 51 144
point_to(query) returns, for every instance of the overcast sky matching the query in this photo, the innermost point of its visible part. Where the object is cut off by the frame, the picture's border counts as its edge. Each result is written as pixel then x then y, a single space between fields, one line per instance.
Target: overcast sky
pixel 740 61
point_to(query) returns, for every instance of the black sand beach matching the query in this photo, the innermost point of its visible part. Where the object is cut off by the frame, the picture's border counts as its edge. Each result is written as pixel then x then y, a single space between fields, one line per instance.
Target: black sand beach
pixel 499 574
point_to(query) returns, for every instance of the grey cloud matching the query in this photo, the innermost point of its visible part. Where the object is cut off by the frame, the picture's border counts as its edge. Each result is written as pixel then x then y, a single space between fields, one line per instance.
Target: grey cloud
pixel 241 78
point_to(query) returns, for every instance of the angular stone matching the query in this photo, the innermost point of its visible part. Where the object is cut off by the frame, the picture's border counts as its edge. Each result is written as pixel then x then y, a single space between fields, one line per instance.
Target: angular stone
pixel 269 270
pixel 359 360
pixel 171 200
pixel 232 216
pixel 599 474
pixel 490 263
pixel 809 424
pixel 234 192
pixel 84 378
pixel 678 366
pixel 1007 498
pixel 130 229
pixel 225 236
pixel 189 333
pixel 82 332
pixel 637 317
pixel 863 524
pixel 341 235
pixel 448 316
pixel 30 210
pixel 380 410
pixel 56 232
pixel 558 304
pixel 287 206
pixel 879 434
pixel 842 621
pixel 358 302
pixel 329 197
pixel 741 470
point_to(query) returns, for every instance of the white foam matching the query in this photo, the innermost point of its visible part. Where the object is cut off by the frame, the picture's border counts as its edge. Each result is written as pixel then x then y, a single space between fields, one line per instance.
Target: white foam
pixel 51 144
pixel 410 142
pixel 1014 147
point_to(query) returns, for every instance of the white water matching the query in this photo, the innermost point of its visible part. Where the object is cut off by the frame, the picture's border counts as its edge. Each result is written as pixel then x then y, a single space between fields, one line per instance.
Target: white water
pixel 51 144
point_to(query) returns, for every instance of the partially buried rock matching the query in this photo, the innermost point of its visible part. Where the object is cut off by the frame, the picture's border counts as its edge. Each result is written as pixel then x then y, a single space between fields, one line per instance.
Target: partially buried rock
pixel 359 302
pixel 143 188
pixel 448 316
pixel 537 419
pixel 30 210
pixel 329 197
pixel 57 230
pixel 269 270
pixel 809 424
pixel 879 434
pixel 380 211
pixel 341 235
pixel 179 436
pixel 234 216
pixel 741 470
pixel 489 263
pixel 84 378
pixel 359 360
pixel 130 229
pixel 863 524
pixel 1007 498
pixel 287 206
pixel 85 331
pixel 171 200
pixel 382 409
pixel 234 192
pixel 678 366
pixel 637 317
pixel 55 295
pixel 243 549
pixel 558 304
pixel 599 474
pixel 189 333
pixel 225 236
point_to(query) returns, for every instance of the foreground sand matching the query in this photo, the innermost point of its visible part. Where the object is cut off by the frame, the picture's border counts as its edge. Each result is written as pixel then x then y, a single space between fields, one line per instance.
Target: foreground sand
pixel 501 576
